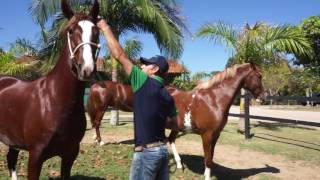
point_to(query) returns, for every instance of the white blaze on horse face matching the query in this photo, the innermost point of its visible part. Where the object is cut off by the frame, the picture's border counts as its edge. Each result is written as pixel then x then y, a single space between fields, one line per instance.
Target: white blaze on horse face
pixel 88 64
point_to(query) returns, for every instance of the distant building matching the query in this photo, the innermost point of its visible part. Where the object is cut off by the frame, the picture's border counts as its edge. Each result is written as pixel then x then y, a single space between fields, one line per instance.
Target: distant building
pixel 175 69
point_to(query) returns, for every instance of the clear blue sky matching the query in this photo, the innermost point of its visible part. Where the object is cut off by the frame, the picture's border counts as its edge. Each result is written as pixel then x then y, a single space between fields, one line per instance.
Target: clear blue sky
pixel 199 54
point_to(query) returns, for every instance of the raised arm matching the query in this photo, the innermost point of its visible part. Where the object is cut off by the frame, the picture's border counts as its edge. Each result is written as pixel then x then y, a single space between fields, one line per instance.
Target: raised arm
pixel 114 46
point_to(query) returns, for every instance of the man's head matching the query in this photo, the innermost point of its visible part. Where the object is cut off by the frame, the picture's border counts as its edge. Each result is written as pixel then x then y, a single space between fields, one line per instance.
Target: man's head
pixel 156 65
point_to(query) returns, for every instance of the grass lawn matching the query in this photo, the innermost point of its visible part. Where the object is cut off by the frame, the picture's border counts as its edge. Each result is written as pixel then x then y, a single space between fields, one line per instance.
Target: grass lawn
pixel 112 161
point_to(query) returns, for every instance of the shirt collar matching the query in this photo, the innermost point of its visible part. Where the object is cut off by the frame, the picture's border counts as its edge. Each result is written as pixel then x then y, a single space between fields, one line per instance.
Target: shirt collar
pixel 159 79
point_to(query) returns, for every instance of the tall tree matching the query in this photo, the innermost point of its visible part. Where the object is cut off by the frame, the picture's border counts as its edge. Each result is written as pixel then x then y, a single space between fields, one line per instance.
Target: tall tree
pixel 9 66
pixel 133 49
pixel 309 75
pixel 158 17
pixel 261 44
pixel 310 27
pixel 22 47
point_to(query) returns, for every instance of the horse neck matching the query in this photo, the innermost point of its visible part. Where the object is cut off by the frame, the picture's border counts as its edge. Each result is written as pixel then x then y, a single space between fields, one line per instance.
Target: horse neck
pixel 229 88
pixel 63 74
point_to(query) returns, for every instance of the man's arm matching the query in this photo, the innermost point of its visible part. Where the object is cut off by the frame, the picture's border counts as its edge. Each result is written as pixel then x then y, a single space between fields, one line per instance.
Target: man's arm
pixel 114 46
pixel 172 123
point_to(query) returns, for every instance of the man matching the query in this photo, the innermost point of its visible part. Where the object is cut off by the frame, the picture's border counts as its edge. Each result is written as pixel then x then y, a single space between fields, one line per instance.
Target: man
pixel 153 108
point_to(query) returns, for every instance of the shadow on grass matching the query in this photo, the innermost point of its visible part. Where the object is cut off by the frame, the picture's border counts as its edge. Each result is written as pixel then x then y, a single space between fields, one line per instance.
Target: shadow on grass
pixel 195 164
pixel 79 177
pixel 276 126
pixel 283 140
pixel 129 141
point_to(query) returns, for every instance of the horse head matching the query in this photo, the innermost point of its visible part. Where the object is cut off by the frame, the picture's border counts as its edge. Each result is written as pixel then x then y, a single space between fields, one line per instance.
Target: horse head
pixel 82 36
pixel 253 81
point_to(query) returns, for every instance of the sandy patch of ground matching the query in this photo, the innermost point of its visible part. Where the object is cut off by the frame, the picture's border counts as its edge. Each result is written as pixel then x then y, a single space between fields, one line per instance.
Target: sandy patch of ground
pixel 248 163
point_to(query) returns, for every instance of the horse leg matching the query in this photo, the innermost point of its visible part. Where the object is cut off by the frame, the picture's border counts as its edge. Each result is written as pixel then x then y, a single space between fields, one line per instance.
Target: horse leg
pixel 207 148
pixel 68 158
pixel 171 139
pixel 35 163
pixel 213 144
pixel 12 158
pixel 98 120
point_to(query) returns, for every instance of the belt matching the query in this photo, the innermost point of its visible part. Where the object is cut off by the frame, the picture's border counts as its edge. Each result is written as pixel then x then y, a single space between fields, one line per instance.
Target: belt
pixel 149 145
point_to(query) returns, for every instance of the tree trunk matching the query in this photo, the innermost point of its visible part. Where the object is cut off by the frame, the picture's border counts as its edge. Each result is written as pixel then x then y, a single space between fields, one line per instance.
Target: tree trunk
pixel 271 101
pixel 114 119
pixel 241 119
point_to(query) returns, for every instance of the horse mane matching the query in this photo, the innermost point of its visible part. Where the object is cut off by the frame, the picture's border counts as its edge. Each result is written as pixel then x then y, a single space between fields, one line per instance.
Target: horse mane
pixel 221 76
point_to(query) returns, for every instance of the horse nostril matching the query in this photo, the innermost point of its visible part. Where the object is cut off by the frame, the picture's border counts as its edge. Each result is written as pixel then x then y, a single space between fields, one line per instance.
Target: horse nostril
pixel 87 72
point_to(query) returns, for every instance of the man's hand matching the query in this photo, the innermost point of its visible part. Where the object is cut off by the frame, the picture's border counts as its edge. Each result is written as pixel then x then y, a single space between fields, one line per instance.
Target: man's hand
pixel 172 123
pixel 102 23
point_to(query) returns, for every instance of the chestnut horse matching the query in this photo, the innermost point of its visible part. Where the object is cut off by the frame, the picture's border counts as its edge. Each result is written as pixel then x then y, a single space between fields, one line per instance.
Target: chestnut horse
pixel 46 117
pixel 203 110
pixel 106 94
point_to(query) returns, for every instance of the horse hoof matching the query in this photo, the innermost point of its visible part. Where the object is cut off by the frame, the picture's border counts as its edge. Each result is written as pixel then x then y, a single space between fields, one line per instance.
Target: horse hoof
pixel 102 143
pixel 94 136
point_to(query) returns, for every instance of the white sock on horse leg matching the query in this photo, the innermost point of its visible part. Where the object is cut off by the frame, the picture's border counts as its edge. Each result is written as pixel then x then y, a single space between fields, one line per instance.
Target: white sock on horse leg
pixel 102 143
pixel 207 173
pixel 14 175
pixel 176 155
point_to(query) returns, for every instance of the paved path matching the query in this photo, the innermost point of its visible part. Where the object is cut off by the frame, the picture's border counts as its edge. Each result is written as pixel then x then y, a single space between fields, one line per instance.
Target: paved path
pixel 284 112
pixel 280 112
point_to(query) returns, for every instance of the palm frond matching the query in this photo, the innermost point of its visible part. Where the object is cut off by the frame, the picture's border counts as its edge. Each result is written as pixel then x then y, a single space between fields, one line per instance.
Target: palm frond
pixel 23 46
pixel 219 33
pixel 133 48
pixel 164 27
pixel 287 39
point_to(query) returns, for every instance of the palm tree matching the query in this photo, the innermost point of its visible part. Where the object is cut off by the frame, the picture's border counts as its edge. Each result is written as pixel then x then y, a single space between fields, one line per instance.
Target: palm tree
pixel 1 50
pixel 22 47
pixel 9 66
pixel 133 49
pixel 261 44
pixel 158 17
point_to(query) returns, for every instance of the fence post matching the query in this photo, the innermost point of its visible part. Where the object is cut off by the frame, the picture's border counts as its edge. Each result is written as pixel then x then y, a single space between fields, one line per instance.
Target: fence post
pixel 247 114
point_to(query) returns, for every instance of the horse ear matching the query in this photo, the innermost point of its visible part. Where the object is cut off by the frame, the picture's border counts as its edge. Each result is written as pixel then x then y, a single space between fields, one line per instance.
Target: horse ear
pixel 66 10
pixel 253 66
pixel 95 10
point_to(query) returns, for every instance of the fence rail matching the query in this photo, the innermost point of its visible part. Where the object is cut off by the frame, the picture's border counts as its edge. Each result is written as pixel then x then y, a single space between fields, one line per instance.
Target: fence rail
pixel 247 115
pixel 296 98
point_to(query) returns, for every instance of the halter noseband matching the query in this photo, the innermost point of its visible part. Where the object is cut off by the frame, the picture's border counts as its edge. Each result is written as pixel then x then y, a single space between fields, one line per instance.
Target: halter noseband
pixel 79 45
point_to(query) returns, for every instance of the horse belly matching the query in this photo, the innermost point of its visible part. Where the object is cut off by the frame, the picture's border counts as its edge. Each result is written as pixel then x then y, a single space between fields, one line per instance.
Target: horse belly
pixel 11 120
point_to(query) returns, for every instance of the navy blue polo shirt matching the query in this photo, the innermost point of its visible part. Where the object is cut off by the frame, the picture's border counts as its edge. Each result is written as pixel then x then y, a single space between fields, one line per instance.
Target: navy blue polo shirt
pixel 152 105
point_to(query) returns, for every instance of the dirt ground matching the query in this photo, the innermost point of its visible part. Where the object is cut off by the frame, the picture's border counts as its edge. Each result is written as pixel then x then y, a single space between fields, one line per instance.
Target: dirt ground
pixel 246 164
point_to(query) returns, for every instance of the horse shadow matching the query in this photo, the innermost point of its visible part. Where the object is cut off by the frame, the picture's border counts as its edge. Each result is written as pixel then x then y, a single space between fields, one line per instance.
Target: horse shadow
pixel 195 164
pixel 127 142
pixel 78 177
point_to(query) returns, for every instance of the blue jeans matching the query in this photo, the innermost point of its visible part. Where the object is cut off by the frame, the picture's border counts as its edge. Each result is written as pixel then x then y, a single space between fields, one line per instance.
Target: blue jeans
pixel 151 163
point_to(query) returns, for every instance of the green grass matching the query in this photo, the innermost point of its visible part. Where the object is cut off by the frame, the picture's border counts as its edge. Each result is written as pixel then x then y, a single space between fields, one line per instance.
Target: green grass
pixel 292 142
pixel 113 160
